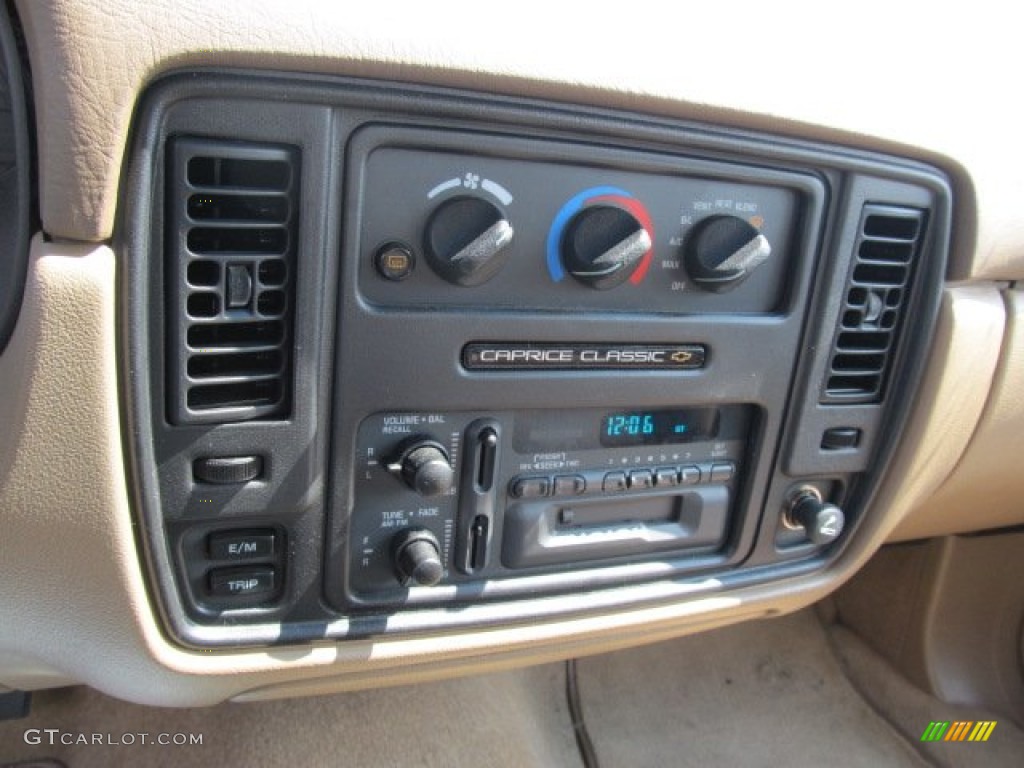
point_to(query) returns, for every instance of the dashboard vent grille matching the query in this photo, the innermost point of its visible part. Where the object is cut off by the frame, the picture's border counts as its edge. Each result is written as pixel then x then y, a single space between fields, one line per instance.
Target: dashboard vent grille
pixel 876 296
pixel 231 251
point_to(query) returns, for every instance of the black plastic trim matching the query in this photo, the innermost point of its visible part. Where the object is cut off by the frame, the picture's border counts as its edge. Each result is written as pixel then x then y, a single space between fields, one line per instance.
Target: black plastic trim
pixel 15 185
pixel 305 616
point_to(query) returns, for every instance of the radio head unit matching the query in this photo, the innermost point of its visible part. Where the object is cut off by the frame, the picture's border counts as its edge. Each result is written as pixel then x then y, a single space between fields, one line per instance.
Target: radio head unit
pixel 449 498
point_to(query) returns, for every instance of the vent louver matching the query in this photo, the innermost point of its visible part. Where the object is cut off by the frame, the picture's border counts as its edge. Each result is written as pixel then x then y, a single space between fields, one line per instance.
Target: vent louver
pixel 877 293
pixel 231 248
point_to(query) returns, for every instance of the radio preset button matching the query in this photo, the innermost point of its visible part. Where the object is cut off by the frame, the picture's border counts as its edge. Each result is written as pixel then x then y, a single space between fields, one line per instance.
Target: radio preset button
pixel 722 473
pixel 664 476
pixel 569 485
pixel 689 475
pixel 614 482
pixel 640 479
pixel 531 487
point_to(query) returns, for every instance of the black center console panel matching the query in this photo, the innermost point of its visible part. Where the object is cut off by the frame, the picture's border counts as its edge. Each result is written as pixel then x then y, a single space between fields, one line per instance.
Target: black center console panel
pixel 401 359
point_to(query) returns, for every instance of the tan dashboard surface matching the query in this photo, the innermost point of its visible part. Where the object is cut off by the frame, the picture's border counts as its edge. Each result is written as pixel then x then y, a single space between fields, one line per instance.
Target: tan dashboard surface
pixel 870 74
pixel 986 489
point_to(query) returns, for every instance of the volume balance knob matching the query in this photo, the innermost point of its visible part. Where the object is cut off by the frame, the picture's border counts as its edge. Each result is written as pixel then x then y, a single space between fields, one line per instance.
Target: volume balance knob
pixel 423 465
pixel 722 251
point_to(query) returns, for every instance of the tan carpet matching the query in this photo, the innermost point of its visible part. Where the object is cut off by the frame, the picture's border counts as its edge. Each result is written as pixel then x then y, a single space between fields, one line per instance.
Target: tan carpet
pixel 509 720
pixel 770 693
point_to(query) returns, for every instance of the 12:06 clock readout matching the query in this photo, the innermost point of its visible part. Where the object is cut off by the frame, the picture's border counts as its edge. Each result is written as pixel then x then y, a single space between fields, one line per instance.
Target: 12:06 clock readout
pixel 658 427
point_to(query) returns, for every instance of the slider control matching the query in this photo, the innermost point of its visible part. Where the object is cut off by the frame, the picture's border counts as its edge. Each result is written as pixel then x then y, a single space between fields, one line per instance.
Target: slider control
pixel 477 495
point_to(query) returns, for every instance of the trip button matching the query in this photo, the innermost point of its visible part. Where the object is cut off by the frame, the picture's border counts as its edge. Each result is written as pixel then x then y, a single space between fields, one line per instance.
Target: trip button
pixel 640 479
pixel 569 485
pixel 531 487
pixel 241 545
pixel 242 582
pixel 614 482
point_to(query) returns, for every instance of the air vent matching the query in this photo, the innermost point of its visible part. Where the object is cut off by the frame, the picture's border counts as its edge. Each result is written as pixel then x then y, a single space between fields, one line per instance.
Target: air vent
pixel 231 246
pixel 876 295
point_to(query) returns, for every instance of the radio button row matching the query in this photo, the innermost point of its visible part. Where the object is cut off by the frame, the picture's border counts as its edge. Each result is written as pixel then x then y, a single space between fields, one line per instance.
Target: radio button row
pixel 535 487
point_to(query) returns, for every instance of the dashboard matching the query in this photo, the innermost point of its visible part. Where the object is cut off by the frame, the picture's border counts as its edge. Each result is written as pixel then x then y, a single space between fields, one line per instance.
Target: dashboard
pixel 350 355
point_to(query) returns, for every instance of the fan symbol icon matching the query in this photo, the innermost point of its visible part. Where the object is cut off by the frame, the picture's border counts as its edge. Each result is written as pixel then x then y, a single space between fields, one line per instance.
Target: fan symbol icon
pixel 471 181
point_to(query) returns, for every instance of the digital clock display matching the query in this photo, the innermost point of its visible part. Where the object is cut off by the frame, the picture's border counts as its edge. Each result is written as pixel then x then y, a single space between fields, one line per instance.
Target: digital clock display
pixel 588 429
pixel 677 425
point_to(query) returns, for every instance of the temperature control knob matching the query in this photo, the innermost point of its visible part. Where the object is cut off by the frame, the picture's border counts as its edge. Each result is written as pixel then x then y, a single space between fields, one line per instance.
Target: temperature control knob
pixel 466 240
pixel 821 521
pixel 416 555
pixel 603 245
pixel 722 251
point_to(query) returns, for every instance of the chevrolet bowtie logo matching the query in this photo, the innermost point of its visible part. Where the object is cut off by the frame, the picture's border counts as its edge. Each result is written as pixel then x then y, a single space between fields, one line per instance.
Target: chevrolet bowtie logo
pixel 681 357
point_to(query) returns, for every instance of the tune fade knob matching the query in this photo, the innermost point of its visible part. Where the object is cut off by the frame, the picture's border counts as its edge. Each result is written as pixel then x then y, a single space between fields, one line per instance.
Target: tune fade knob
pixel 423 465
pixel 822 522
pixel 416 555
pixel 602 246
pixel 466 240
pixel 722 251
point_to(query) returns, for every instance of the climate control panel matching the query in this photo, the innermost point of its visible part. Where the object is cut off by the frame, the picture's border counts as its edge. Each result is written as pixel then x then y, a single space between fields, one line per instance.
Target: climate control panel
pixel 540 226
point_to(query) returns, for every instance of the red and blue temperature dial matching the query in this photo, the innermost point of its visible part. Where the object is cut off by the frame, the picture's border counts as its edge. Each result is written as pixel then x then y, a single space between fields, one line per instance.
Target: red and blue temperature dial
pixel 603 237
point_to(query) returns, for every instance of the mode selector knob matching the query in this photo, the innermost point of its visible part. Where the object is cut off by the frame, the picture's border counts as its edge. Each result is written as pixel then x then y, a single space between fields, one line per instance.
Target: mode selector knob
pixel 466 240
pixel 722 251
pixel 603 245
pixel 424 466
pixel 416 555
